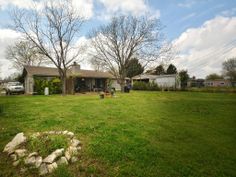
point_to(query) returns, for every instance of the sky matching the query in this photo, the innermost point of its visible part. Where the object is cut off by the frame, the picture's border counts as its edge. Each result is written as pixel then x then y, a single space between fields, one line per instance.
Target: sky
pixel 202 31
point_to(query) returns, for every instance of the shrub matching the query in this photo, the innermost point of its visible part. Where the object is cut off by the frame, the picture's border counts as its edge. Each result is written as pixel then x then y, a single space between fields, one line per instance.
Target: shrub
pixel 145 86
pixel 54 85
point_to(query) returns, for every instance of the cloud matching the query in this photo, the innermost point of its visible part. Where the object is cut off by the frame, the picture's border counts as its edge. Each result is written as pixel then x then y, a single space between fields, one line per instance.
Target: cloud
pixel 187 4
pixel 134 7
pixel 229 13
pixel 203 49
pixel 84 7
pixel 187 17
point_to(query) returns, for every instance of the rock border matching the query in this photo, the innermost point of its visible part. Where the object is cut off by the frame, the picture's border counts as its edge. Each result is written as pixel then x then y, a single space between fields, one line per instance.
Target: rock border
pixel 34 160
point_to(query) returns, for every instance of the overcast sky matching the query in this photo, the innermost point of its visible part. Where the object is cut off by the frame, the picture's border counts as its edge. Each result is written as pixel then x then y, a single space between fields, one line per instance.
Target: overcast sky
pixel 203 31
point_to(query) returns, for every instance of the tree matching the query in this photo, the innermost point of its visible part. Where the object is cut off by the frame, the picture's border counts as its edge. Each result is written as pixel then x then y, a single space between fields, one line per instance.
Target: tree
pixel 171 69
pixel 53 30
pixel 213 76
pixel 124 38
pixel 229 69
pixel 134 68
pixel 24 53
pixel 183 74
pixel 159 70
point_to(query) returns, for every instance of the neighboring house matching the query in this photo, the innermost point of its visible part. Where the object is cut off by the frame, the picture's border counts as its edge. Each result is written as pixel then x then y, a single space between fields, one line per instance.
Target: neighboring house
pixel 163 81
pixel 78 79
pixel 217 83
pixel 195 82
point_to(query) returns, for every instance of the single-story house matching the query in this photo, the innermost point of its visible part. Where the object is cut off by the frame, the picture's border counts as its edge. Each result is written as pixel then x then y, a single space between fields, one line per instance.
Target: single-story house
pixel 195 82
pixel 217 83
pixel 78 79
pixel 163 81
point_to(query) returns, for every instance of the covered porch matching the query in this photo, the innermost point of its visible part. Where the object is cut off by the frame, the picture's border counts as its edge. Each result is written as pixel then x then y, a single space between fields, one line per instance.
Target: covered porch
pixel 81 85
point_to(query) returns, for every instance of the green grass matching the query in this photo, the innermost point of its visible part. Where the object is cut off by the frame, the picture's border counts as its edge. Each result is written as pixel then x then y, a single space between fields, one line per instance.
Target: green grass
pixel 136 134
pixel 46 144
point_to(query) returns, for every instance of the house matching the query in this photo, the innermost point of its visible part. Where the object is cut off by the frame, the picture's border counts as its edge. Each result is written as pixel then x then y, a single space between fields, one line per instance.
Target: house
pixel 163 81
pixel 195 82
pixel 78 80
pixel 217 83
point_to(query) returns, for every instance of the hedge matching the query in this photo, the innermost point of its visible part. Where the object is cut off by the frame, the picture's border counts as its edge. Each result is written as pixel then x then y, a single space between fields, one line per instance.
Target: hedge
pixel 145 86
pixel 53 84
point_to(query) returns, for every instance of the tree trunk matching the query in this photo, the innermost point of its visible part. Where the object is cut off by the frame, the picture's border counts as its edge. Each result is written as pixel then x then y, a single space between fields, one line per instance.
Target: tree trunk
pixel 63 82
pixel 122 85
pixel 64 86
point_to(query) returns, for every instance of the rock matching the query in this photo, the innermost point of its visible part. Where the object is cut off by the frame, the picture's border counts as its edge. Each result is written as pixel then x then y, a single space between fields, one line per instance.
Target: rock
pixel 16 141
pixel 71 151
pixel 14 157
pixel 64 132
pixel 33 154
pixel 30 160
pixel 57 153
pixel 23 170
pixel 52 167
pixel 38 161
pixel 75 142
pixel 58 132
pixel 43 170
pixel 51 132
pixel 16 163
pixel 35 135
pixel 71 134
pixel 21 152
pixel 62 161
pixel 74 159
pixel 79 148
pixel 68 155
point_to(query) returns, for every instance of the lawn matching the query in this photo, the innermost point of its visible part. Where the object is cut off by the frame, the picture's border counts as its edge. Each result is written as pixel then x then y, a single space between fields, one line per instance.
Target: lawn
pixel 136 134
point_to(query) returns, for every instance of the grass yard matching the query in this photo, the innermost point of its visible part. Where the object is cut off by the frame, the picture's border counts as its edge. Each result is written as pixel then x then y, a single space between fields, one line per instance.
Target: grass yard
pixel 136 134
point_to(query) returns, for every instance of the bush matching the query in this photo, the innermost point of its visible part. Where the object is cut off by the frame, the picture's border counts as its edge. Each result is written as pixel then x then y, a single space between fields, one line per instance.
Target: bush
pixel 54 85
pixel 145 86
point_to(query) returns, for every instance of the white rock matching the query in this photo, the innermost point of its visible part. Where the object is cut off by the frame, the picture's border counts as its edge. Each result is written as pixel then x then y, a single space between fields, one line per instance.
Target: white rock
pixel 52 167
pixel 65 132
pixel 54 155
pixel 62 161
pixel 79 148
pixel 71 134
pixel 33 154
pixel 38 161
pixel 14 157
pixel 74 159
pixel 51 132
pixel 68 155
pixel 30 160
pixel 21 152
pixel 58 132
pixel 16 141
pixel 75 142
pixel 23 170
pixel 16 163
pixel 35 135
pixel 71 151
pixel 43 170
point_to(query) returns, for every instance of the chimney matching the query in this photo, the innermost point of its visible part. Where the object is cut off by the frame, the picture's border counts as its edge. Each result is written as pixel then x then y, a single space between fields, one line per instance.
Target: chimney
pixel 75 68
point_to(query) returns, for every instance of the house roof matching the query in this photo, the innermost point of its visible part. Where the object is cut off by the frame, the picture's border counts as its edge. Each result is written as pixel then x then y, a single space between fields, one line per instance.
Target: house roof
pixel 150 76
pixel 49 71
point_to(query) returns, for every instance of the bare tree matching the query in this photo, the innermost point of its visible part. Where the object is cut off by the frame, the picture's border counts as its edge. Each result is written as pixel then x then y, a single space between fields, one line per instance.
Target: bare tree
pixel 124 38
pixel 229 69
pixel 53 30
pixel 24 53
